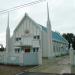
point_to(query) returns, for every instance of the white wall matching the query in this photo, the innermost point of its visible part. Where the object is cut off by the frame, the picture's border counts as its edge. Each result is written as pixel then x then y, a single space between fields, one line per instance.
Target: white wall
pixel 44 44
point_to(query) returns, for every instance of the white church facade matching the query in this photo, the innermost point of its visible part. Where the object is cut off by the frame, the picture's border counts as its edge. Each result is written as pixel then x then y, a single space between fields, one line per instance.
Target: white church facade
pixel 31 42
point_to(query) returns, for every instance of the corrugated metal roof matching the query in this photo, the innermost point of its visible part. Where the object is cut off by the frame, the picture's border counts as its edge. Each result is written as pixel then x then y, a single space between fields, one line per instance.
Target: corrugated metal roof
pixel 56 36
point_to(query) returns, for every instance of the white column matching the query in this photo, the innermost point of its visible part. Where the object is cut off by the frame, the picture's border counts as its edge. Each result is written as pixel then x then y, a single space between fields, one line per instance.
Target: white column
pixel 72 56
pixel 40 57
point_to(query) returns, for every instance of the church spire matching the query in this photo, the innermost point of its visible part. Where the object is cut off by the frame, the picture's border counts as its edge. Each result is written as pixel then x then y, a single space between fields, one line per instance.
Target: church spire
pixel 48 13
pixel 8 35
pixel 49 31
pixel 48 19
pixel 8 21
pixel 8 28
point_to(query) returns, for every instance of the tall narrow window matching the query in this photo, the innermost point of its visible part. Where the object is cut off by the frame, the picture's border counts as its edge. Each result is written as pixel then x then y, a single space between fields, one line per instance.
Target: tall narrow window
pixel 18 38
pixel 36 37
pixel 17 50
pixel 35 49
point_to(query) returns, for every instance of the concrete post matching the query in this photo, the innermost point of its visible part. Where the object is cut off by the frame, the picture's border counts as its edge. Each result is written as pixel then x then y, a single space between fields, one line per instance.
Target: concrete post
pixel 72 59
pixel 40 57
pixel 72 56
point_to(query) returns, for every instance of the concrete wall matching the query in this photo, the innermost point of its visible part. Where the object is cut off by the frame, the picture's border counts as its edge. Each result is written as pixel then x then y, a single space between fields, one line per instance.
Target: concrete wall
pixel 23 59
pixel 13 60
pixel 2 57
pixel 31 58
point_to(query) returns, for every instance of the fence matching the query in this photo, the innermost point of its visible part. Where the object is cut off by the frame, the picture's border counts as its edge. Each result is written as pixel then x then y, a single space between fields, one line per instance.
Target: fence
pixel 30 58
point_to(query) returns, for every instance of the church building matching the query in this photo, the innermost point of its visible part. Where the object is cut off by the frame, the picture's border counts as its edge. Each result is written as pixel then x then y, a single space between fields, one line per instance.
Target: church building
pixel 31 42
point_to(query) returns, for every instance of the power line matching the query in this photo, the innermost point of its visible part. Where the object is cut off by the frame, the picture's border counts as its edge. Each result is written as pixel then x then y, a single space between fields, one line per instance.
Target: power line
pixel 21 6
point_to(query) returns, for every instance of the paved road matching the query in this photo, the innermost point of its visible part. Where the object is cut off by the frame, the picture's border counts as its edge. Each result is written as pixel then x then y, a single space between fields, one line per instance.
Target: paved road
pixel 35 73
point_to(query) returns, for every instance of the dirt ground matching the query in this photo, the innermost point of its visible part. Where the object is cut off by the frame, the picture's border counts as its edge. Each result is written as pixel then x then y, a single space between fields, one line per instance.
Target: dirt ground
pixel 12 70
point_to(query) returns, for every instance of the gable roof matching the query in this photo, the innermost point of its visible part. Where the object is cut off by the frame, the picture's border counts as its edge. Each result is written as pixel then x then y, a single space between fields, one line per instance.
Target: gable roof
pixel 24 17
pixel 56 36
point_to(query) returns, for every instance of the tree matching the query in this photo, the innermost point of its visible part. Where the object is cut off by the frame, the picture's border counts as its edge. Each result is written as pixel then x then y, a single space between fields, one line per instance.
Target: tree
pixel 70 38
pixel 73 43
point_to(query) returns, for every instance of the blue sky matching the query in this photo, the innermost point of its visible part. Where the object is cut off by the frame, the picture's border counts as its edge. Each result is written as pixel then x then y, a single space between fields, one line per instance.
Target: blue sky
pixel 62 15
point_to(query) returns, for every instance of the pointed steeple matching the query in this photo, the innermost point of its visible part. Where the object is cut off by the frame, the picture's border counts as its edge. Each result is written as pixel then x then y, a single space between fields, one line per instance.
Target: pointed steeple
pixel 49 31
pixel 48 14
pixel 8 35
pixel 8 22
pixel 8 28
pixel 48 19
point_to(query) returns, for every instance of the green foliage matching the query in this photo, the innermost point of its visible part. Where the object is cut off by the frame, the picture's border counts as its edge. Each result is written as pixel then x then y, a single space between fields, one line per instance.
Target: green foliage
pixel 1 49
pixel 70 37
